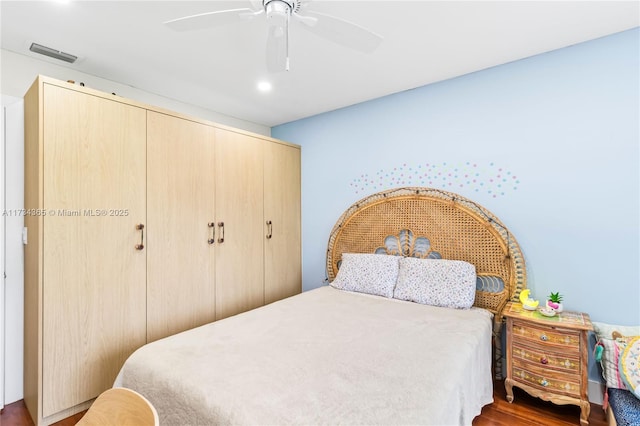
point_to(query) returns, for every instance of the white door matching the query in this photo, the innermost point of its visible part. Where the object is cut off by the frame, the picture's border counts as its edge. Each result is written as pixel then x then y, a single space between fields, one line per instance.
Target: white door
pixel 11 249
pixel 2 244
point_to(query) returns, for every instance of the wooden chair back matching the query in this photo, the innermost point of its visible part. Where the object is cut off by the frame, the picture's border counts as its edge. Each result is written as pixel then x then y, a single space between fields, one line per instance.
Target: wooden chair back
pixel 120 407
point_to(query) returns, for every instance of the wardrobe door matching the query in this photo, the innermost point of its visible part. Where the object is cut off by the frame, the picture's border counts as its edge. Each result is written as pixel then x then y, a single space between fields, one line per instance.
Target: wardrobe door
pixel 239 217
pixel 94 284
pixel 180 202
pixel 283 271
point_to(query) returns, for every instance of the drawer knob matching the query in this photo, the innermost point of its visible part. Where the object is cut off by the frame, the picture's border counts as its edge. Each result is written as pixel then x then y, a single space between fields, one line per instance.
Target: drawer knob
pixel 544 337
pixel 544 383
pixel 544 360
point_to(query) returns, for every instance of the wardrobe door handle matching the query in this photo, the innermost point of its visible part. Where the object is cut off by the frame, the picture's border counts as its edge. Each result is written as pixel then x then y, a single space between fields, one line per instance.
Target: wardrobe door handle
pixel 212 225
pixel 269 230
pixel 140 227
pixel 221 226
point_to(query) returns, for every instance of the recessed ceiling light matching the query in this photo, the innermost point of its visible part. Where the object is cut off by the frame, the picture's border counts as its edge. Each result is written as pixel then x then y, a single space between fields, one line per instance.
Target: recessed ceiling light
pixel 264 86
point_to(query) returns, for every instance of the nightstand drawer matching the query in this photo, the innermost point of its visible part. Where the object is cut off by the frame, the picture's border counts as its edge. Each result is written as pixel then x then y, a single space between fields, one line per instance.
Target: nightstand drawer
pixel 547 356
pixel 546 336
pixel 548 380
pixel 547 359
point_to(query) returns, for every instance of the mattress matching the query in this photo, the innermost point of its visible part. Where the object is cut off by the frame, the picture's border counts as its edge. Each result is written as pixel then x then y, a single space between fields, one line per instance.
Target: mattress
pixel 325 356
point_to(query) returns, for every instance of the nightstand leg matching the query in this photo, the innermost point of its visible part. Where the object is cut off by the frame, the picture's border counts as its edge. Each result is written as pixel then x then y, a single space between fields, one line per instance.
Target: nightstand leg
pixel 508 385
pixel 585 409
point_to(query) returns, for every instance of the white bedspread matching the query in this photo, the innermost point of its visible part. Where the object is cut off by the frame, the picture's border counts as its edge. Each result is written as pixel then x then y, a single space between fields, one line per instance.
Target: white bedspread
pixel 323 357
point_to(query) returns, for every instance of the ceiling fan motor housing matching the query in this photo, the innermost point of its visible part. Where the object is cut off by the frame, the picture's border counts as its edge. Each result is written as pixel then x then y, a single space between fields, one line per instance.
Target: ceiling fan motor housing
pixel 278 11
pixel 293 5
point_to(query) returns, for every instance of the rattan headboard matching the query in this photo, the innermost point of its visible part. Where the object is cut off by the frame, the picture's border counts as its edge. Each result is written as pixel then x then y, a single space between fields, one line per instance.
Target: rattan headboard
pixel 455 227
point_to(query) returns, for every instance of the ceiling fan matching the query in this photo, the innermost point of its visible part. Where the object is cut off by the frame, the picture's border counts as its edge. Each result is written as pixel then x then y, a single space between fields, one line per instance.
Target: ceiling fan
pixel 278 14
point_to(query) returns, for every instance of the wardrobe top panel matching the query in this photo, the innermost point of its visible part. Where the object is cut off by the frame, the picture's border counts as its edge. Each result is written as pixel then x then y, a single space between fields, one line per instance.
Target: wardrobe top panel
pixel 41 80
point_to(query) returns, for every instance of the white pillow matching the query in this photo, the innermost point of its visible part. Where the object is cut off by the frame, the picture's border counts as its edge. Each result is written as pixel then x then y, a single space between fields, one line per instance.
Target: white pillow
pixel 436 282
pixel 367 273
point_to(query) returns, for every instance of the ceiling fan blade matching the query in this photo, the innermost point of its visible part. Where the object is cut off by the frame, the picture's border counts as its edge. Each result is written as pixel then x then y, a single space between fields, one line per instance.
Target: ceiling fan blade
pixel 342 32
pixel 277 56
pixel 307 20
pixel 257 4
pixel 208 20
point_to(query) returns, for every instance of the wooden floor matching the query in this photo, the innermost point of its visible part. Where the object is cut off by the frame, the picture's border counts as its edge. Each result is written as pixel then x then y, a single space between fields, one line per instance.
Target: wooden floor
pixel 525 411
pixel 529 411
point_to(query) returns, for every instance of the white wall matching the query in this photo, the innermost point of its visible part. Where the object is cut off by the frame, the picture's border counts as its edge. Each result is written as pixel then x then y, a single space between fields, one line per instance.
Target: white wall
pixel 13 283
pixel 17 73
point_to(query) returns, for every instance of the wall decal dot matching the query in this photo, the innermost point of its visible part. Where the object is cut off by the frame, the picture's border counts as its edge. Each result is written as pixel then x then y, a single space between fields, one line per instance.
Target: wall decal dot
pixel 473 176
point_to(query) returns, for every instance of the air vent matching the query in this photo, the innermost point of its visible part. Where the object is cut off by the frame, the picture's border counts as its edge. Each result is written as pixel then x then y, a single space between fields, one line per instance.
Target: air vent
pixel 47 51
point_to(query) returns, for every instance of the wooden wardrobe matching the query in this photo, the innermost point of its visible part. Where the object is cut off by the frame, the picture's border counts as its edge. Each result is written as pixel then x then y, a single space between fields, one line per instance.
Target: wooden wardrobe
pixel 141 223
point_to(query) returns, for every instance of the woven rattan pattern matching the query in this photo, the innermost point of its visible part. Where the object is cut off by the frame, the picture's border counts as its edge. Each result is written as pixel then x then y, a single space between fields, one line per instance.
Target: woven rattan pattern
pixel 458 228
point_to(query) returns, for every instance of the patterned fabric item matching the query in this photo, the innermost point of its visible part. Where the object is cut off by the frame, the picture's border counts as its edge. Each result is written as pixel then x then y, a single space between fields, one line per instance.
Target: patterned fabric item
pixel 610 360
pixel 606 330
pixel 625 407
pixel 436 282
pixel 628 366
pixel 367 273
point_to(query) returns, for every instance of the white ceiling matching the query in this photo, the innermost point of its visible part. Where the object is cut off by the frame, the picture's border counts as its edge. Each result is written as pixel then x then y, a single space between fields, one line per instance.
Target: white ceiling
pixel 218 69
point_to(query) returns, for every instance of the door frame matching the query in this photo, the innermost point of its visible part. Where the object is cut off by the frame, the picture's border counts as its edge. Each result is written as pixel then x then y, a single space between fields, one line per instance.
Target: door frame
pixel 11 249
pixel 3 233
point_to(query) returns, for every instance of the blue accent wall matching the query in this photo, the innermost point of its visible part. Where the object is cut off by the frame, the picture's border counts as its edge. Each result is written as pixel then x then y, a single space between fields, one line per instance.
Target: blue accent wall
pixel 549 144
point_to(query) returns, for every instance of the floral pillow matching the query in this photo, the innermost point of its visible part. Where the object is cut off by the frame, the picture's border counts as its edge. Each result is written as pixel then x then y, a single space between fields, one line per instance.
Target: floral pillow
pixel 436 282
pixel 613 341
pixel 367 273
pixel 629 366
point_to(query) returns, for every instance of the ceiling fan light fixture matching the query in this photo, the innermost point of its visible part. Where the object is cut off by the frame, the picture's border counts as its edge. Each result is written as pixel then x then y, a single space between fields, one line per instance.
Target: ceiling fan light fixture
pixel 278 14
pixel 277 11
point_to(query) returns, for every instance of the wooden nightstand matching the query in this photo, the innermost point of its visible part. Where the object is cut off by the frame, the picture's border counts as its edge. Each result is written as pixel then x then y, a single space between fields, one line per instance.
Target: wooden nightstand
pixel 547 356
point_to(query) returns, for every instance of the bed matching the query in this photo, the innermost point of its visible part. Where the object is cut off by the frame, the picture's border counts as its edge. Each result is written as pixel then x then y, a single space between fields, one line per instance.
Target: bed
pixel 344 355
